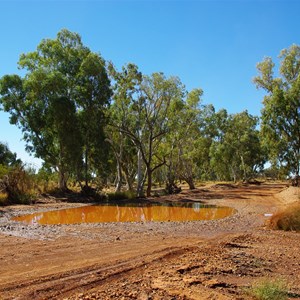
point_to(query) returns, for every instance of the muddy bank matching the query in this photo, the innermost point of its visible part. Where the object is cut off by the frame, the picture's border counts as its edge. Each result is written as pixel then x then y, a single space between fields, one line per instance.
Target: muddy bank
pixel 246 217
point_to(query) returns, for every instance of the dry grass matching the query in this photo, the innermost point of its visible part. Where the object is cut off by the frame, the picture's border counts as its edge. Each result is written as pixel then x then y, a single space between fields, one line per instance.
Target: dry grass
pixel 290 195
pixel 288 219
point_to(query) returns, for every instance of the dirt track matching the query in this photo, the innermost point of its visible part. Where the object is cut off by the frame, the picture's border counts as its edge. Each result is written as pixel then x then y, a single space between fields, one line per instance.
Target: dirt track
pixel 190 260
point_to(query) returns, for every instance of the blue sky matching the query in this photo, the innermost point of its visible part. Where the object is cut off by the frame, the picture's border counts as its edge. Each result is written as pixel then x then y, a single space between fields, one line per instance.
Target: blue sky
pixel 214 45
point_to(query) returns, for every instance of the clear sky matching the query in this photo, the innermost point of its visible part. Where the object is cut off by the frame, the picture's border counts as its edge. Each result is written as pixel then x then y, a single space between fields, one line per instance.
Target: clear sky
pixel 214 45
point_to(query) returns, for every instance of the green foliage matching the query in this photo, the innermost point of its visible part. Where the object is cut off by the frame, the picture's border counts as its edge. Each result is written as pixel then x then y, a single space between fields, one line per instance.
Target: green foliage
pixel 59 104
pixel 7 158
pixel 18 184
pixel 183 139
pixel 46 180
pixel 269 289
pixel 4 170
pixel 123 146
pixel 237 152
pixel 143 127
pixel 281 111
pixel 142 107
pixel 274 173
pixel 127 195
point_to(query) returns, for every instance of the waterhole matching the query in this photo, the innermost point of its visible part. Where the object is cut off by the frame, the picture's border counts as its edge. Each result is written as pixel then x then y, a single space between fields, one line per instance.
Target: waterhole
pixel 161 212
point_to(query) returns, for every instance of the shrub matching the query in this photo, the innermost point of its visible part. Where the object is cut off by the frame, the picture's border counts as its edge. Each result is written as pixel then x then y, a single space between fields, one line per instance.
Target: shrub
pixel 289 219
pixel 269 289
pixel 3 199
pixel 128 195
pixel 45 181
pixel 17 184
pixel 92 193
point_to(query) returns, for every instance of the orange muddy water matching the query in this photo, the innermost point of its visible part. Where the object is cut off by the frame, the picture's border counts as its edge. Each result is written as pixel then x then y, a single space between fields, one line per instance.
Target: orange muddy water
pixel 129 213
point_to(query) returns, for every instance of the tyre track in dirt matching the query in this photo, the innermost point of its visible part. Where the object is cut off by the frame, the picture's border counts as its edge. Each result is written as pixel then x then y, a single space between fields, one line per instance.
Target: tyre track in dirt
pixel 58 285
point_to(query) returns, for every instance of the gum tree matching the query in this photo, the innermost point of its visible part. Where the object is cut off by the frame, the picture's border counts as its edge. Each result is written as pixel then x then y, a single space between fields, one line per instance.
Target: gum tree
pixel 281 112
pixel 59 103
pixel 237 153
pixel 126 84
pixel 145 114
pixel 183 139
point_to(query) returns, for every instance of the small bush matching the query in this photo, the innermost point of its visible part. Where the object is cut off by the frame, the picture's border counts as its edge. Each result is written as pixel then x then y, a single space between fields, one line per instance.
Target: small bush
pixel 268 289
pixel 128 195
pixel 92 193
pixel 3 199
pixel 45 181
pixel 17 184
pixel 288 219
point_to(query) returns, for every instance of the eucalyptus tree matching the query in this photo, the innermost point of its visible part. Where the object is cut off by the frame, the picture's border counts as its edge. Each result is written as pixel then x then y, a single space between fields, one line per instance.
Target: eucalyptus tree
pixel 145 113
pixel 238 154
pixel 92 96
pixel 125 154
pixel 126 85
pixel 210 130
pixel 216 127
pixel 183 138
pixel 59 102
pixel 158 94
pixel 281 112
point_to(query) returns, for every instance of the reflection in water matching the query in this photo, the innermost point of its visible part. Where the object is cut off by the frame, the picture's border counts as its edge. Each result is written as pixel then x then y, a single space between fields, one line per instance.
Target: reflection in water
pixel 129 213
pixel 196 207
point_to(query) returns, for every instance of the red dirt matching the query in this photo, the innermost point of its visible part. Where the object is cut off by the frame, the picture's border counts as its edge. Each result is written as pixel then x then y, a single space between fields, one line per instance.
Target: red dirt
pixel 171 260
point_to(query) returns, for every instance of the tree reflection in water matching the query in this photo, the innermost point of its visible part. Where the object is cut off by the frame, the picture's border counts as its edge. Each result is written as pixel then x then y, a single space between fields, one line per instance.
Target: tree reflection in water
pixel 130 212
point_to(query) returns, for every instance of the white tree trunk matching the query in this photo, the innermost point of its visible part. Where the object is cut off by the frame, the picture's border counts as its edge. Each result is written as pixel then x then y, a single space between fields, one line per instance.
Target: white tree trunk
pixel 139 175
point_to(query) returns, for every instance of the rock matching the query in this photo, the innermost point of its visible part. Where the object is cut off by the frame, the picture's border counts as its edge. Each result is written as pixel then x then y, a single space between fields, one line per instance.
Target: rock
pixel 186 268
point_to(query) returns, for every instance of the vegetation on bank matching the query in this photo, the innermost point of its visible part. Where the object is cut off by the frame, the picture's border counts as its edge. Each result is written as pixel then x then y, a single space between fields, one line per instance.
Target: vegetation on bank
pixel 269 289
pixel 288 219
pixel 96 126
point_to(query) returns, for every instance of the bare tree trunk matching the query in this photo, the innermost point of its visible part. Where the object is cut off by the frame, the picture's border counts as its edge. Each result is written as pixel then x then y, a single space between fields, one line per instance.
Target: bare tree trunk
pixel 86 167
pixel 244 169
pixel 62 180
pixel 190 182
pixel 139 176
pixel 187 173
pixel 119 177
pixel 171 187
pixel 129 181
pixel 149 181
pixel 234 176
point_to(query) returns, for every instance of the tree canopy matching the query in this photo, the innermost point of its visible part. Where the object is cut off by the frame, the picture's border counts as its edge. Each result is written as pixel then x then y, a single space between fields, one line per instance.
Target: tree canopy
pixel 89 121
pixel 281 112
pixel 59 103
pixel 7 158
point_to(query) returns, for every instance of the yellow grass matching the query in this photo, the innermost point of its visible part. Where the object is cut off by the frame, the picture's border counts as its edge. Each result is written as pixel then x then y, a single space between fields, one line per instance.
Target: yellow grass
pixel 288 219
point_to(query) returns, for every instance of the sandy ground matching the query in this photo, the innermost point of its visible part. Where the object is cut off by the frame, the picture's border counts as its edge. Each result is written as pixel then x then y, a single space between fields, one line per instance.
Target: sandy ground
pixel 153 260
